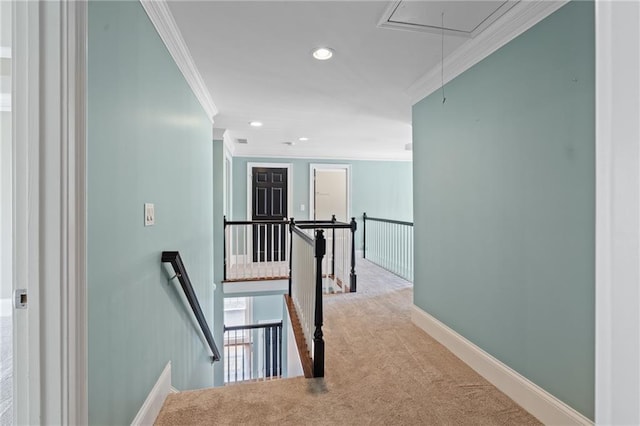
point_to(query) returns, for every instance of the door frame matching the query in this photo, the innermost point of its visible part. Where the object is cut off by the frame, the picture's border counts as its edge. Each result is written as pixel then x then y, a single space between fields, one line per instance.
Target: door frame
pixel 287 166
pixel 49 202
pixel 617 209
pixel 312 194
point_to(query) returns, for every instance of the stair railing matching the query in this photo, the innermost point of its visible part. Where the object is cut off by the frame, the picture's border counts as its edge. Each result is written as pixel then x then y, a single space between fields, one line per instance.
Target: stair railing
pixel 340 261
pixel 389 244
pixel 305 290
pixel 245 361
pixel 173 257
pixel 255 250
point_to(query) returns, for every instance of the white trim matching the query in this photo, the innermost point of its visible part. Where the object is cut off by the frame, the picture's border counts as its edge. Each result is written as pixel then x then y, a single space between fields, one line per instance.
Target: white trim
pixel 321 157
pixel 319 166
pixel 162 19
pixel 49 209
pixel 228 144
pixel 26 209
pixel 239 287
pixel 75 216
pixel 540 403
pixel 218 133
pixel 289 168
pixel 173 390
pixel 5 52
pixel 514 22
pixel 617 348
pixel 153 404
pixel 228 183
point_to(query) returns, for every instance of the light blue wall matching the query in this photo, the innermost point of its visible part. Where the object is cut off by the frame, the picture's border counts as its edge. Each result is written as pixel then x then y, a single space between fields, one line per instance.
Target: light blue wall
pixel 148 141
pixel 504 205
pixel 217 188
pixel 379 188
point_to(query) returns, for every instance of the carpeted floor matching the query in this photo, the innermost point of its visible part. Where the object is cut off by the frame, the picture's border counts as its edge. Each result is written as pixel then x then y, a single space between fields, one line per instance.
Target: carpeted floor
pixel 380 369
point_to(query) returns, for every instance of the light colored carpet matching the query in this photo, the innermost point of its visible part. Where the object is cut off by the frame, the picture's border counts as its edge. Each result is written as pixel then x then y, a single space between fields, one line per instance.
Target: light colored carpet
pixel 380 369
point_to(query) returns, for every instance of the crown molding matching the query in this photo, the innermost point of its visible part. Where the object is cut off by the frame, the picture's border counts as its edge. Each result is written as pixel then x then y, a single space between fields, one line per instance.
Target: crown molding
pixel 514 22
pixel 162 19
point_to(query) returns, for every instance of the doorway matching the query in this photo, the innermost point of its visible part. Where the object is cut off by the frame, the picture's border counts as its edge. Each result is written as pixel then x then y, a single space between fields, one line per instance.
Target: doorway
pixel 330 192
pixel 269 201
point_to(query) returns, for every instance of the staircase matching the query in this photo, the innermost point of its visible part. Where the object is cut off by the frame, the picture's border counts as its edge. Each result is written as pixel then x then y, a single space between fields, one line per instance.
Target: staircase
pixel 381 369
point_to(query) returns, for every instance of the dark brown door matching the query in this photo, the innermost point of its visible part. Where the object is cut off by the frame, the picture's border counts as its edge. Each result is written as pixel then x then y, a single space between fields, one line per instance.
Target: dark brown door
pixel 269 197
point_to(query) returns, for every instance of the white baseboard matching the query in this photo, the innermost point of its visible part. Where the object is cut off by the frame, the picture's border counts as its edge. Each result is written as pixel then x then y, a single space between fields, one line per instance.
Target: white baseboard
pixel 152 405
pixel 540 403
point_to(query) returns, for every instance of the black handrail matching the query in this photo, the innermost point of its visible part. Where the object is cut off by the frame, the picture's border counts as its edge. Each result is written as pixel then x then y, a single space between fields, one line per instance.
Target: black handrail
pixel 284 221
pixel 174 258
pixel 302 234
pixel 333 224
pixel 252 326
pixel 377 219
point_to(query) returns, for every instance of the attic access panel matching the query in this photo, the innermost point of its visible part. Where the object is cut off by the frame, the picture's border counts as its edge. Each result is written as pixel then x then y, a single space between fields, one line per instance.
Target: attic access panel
pixel 461 18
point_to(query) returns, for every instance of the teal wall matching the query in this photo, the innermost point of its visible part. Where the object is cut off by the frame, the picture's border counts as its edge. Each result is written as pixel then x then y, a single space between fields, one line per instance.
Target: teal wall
pixel 504 205
pixel 217 188
pixel 379 188
pixel 148 141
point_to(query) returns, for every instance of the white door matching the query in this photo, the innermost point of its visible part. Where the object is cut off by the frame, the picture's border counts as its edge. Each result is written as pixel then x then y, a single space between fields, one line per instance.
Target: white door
pixel 331 194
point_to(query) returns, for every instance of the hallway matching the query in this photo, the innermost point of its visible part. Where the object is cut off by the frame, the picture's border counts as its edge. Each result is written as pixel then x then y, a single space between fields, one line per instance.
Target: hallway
pixel 380 369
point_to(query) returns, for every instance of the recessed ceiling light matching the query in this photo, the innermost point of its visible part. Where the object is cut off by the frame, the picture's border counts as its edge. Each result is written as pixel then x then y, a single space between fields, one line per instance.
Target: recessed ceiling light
pixel 255 124
pixel 323 53
pixel 303 139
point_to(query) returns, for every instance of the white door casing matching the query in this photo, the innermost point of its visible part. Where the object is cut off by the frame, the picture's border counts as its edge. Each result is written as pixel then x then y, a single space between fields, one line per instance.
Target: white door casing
pixel 312 169
pixel 49 209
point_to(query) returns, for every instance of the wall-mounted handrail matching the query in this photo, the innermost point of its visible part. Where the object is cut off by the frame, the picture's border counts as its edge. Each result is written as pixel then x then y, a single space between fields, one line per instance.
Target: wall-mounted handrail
pixel 389 244
pixel 174 258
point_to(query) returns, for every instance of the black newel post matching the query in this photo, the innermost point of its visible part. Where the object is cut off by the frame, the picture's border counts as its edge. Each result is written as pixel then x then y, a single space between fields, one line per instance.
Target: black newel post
pixel 224 247
pixel 333 247
pixel 291 225
pixel 352 282
pixel 364 235
pixel 318 341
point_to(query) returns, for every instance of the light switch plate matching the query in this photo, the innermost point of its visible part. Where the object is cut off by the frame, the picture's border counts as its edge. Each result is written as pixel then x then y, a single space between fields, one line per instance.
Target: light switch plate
pixel 149 214
pixel 301 207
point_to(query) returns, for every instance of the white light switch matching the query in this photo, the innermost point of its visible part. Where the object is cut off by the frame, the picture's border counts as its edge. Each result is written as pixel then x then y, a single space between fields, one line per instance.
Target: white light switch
pixel 149 214
pixel 301 207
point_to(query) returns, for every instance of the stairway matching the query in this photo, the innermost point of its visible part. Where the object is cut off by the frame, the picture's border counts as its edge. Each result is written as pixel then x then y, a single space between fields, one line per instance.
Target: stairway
pixel 380 369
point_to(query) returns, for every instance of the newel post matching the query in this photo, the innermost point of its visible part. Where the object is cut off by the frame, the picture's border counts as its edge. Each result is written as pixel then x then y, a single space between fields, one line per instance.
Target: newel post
pixel 352 281
pixel 291 225
pixel 333 247
pixel 364 235
pixel 318 341
pixel 224 247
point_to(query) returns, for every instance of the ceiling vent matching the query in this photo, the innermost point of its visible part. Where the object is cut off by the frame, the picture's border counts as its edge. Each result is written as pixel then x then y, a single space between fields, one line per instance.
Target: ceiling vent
pixel 242 141
pixel 461 18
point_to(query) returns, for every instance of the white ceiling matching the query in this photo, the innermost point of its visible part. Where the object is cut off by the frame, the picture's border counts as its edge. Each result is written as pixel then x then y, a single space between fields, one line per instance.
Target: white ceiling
pixel 255 59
